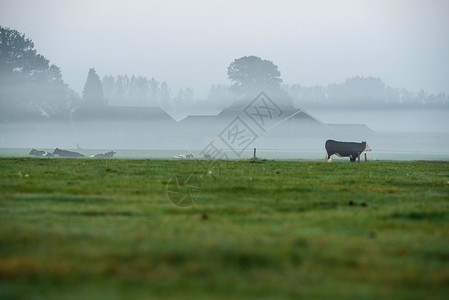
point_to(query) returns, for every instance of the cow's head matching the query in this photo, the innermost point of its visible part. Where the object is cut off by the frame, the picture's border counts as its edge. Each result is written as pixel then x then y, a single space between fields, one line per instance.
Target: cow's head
pixel 32 152
pixel 367 148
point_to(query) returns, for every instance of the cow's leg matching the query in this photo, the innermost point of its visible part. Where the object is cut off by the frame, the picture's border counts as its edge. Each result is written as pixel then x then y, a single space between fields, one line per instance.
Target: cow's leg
pixel 325 156
pixel 330 158
pixel 358 156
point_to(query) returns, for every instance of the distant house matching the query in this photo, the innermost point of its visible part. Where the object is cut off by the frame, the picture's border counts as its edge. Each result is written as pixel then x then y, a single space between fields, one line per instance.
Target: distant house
pixel 124 127
pixel 152 128
pixel 121 113
pixel 289 121
pixel 199 130
pixel 300 123
pixel 199 121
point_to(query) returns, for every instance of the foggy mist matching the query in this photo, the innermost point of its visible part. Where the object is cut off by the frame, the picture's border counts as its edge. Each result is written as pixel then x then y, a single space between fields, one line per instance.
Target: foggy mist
pixel 170 77
pixel 190 43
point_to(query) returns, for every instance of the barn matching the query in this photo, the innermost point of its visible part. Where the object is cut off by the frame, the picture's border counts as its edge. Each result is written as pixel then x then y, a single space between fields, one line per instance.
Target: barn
pixel 124 127
pixel 152 128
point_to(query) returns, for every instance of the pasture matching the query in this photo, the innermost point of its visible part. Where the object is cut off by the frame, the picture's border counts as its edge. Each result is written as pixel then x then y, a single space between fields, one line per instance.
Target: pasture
pixel 105 228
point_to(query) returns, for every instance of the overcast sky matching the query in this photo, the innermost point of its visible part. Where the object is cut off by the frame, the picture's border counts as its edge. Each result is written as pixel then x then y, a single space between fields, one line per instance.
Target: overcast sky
pixel 191 43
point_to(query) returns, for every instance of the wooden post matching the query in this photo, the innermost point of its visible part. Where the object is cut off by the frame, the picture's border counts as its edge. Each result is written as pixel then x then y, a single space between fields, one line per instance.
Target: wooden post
pixel 254 155
pixel 365 157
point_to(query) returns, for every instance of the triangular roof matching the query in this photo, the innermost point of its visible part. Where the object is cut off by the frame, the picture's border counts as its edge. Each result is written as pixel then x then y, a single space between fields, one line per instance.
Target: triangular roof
pixel 300 114
pixel 298 121
pixel 198 118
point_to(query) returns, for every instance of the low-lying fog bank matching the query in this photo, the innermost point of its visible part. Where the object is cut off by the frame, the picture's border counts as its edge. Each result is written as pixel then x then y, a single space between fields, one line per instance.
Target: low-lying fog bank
pixel 389 120
pixel 413 134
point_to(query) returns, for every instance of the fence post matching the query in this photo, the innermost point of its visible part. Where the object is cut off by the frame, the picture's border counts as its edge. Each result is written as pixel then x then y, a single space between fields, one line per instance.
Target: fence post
pixel 365 157
pixel 254 155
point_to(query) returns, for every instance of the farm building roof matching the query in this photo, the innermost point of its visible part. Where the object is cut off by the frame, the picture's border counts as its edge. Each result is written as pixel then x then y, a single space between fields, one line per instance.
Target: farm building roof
pixel 121 113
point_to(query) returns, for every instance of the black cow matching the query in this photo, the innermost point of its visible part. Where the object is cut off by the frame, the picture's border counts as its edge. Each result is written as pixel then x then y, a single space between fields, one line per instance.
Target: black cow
pixel 35 152
pixel 103 155
pixel 65 153
pixel 345 149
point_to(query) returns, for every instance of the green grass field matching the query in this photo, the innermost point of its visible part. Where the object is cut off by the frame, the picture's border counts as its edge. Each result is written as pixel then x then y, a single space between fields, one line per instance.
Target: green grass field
pixel 98 228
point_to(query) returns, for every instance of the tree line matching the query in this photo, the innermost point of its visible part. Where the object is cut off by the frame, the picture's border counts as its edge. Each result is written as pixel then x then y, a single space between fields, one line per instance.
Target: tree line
pixel 139 91
pixel 363 92
pixel 32 88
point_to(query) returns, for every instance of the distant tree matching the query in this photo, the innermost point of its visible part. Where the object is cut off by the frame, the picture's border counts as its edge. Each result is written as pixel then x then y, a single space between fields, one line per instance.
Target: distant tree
pixel 313 96
pixel 138 91
pixel 439 100
pixel 364 90
pixel 120 90
pixel 391 97
pixel 164 93
pixel 251 74
pixel 108 84
pixel 29 85
pixel 93 90
pixel 164 97
pixel 220 95
pixel 18 55
pixel 183 99
pixel 153 86
pixel 360 92
pixel 135 91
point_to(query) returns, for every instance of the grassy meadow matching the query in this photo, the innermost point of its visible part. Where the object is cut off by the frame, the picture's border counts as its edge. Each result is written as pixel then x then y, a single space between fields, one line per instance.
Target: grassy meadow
pixel 105 228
